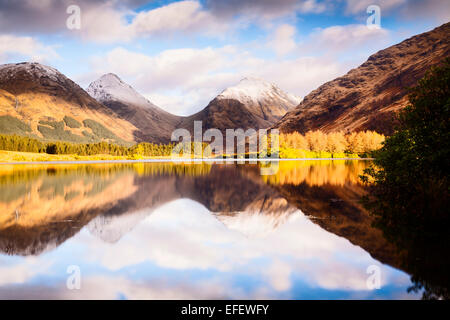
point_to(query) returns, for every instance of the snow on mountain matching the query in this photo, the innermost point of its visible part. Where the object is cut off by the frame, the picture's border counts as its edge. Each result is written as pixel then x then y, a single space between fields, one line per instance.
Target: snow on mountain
pixel 110 87
pixel 253 90
pixel 34 69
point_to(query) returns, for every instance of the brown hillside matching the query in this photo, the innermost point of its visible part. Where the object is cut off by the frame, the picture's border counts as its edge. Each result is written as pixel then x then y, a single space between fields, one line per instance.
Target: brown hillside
pixel 33 93
pixel 367 97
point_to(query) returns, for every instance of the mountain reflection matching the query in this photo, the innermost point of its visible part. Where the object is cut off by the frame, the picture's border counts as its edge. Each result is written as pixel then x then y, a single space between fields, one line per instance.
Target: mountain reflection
pixel 41 207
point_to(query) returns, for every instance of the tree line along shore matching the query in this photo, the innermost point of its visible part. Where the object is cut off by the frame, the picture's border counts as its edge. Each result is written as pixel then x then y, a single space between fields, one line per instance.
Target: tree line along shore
pixel 313 144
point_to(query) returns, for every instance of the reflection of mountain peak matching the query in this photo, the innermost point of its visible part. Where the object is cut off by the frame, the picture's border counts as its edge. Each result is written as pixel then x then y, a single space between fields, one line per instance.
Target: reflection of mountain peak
pixel 255 224
pixel 112 228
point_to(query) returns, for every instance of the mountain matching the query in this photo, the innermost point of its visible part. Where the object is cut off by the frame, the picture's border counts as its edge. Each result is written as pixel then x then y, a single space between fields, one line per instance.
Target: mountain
pixel 263 99
pixel 366 98
pixel 39 101
pixel 252 103
pixel 154 124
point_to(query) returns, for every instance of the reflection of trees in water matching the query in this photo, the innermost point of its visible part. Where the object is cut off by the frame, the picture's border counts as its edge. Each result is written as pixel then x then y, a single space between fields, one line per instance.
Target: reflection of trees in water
pixel 318 172
pixel 412 211
pixel 424 247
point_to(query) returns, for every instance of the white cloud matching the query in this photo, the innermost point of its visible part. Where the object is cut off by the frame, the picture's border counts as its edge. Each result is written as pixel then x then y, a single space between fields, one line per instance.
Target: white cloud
pixel 343 38
pixel 301 75
pixel 312 6
pixel 27 47
pixel 282 41
pixel 21 273
pixel 279 274
pixel 107 23
pixel 182 16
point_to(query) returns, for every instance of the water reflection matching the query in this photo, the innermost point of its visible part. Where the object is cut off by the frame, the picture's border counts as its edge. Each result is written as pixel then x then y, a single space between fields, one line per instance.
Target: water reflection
pixel 192 231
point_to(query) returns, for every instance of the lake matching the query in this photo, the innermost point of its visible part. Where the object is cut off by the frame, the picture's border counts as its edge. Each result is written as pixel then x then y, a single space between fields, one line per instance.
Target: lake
pixel 193 231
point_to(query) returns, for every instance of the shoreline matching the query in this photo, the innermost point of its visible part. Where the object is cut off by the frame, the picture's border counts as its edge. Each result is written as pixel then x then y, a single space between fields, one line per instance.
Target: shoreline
pixel 186 161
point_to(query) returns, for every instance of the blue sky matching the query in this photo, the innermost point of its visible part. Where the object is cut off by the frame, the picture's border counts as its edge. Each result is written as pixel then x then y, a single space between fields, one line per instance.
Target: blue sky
pixel 181 54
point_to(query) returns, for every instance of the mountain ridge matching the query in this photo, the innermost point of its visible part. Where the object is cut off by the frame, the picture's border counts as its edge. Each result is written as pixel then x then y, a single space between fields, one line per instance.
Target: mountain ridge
pixel 368 97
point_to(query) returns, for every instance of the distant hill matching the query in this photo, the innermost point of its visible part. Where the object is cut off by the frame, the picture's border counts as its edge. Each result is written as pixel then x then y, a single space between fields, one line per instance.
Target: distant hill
pixel 367 97
pixel 39 101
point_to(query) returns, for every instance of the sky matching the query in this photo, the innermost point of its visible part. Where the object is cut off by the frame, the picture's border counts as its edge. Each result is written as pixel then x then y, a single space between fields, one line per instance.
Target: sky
pixel 181 54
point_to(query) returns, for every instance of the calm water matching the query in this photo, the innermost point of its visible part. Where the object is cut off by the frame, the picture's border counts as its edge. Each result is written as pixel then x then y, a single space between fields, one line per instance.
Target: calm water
pixel 199 231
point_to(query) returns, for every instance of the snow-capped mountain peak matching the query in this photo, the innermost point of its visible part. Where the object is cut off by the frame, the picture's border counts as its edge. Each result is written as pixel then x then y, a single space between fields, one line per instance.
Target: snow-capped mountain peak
pixel 110 87
pixel 34 69
pixel 254 90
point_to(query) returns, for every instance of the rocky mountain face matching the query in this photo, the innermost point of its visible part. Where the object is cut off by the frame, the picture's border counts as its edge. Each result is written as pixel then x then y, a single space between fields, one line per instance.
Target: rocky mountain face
pixel 263 99
pixel 154 124
pixel 40 101
pixel 252 103
pixel 366 98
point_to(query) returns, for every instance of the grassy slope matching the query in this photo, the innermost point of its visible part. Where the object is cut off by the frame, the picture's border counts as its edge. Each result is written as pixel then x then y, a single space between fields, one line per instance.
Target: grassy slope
pixel 31 108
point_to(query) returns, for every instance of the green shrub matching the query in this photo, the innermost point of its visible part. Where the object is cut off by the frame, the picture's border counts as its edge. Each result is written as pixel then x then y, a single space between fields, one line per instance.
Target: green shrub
pixel 57 125
pixel 89 136
pixel 12 125
pixel 58 133
pixel 99 130
pixel 71 122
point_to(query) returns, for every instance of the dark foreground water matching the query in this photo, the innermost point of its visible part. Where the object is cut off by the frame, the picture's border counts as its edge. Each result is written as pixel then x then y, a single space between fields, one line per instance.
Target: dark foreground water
pixel 198 231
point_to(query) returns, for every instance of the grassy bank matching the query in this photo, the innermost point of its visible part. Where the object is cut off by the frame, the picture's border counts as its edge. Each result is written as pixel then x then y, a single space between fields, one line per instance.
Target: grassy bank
pixel 15 156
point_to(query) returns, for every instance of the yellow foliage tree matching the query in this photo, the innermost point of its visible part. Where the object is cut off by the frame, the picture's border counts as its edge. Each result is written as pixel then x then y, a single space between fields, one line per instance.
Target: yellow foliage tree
pixel 317 140
pixel 334 142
